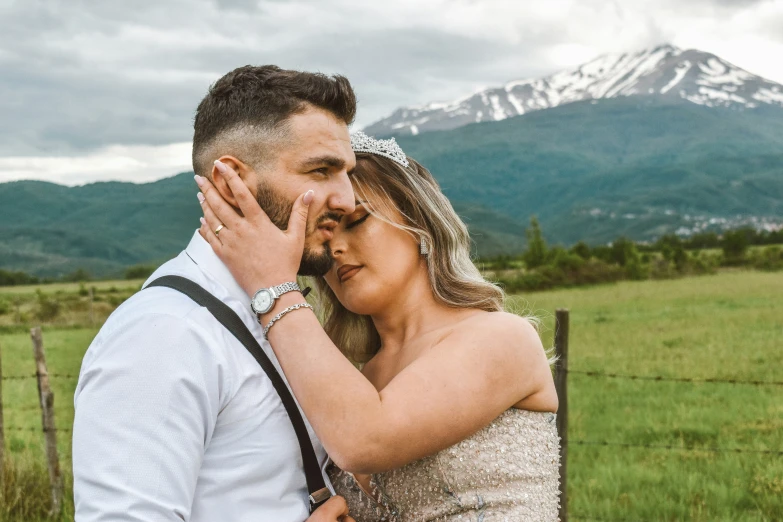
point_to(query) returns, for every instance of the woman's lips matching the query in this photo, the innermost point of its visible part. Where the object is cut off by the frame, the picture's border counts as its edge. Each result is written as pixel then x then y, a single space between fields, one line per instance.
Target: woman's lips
pixel 346 272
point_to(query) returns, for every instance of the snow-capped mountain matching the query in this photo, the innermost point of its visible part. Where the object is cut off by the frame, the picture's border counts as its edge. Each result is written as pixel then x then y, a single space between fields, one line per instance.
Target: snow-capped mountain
pixel 665 71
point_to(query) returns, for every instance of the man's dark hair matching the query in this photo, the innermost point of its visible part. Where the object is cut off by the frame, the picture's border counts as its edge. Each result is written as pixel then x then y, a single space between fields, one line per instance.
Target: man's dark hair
pixel 245 111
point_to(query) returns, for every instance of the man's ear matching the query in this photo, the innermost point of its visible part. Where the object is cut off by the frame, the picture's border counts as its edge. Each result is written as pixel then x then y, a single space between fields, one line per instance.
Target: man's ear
pixel 245 172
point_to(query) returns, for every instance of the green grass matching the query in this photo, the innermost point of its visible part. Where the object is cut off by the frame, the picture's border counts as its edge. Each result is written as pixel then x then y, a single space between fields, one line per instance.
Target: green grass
pixel 726 326
pixel 729 325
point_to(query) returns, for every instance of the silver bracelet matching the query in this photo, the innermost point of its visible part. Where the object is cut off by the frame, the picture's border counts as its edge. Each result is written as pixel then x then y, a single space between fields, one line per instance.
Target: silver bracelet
pixel 281 314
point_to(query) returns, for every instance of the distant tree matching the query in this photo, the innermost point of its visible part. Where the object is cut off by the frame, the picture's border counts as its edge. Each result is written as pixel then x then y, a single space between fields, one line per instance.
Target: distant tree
pixel 582 250
pixel 680 258
pixel 620 249
pixel 634 267
pixel 16 278
pixel 703 240
pixel 603 252
pixel 673 250
pixel 775 237
pixel 735 245
pixel 536 253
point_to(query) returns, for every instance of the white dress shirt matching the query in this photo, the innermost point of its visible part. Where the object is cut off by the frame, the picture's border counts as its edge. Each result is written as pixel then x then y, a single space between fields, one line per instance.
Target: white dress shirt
pixel 175 420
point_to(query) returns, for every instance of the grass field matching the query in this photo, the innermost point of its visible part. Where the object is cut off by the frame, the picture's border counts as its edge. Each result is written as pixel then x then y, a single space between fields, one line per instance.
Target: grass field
pixel 728 325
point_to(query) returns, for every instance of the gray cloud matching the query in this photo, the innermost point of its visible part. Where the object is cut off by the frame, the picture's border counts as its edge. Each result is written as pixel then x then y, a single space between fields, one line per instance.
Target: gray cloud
pixel 83 74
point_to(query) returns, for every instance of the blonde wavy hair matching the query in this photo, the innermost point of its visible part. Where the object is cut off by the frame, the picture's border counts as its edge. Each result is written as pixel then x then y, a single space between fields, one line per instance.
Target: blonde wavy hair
pixel 390 190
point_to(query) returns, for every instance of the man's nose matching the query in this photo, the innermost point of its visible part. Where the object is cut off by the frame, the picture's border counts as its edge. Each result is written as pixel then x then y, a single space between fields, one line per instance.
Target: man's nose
pixel 341 197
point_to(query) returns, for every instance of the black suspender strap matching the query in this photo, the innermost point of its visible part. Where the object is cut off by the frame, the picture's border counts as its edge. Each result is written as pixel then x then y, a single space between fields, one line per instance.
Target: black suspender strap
pixel 316 487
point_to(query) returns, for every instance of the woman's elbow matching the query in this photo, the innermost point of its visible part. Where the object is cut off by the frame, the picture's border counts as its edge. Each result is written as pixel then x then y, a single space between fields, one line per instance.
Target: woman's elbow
pixel 362 458
pixel 354 459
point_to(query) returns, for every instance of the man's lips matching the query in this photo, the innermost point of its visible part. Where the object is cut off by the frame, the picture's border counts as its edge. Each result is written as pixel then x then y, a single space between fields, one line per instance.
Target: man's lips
pixel 346 272
pixel 326 233
pixel 327 229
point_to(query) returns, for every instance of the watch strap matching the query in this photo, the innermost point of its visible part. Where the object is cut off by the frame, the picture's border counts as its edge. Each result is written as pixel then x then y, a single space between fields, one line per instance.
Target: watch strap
pixel 279 290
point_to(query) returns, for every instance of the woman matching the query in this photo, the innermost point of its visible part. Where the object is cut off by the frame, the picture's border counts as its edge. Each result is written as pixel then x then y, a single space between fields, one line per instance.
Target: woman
pixel 452 415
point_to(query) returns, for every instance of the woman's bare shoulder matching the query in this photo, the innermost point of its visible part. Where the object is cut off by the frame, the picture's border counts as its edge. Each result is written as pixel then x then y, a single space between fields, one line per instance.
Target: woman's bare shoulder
pixel 498 329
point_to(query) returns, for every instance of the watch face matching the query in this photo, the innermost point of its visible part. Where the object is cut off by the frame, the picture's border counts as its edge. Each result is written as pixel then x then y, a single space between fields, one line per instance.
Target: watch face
pixel 262 301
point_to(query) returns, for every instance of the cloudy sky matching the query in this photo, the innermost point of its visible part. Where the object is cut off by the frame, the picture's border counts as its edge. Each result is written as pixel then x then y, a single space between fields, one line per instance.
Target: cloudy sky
pixel 93 90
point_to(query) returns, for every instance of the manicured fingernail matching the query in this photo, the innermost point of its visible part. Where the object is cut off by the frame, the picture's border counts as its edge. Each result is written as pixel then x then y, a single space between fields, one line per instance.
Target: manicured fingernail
pixel 308 197
pixel 203 221
pixel 221 166
pixel 199 180
pixel 200 197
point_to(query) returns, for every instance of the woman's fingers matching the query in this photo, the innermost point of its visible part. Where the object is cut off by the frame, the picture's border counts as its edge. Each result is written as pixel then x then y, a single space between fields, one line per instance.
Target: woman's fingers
pixel 210 237
pixel 297 222
pixel 211 221
pixel 247 203
pixel 225 213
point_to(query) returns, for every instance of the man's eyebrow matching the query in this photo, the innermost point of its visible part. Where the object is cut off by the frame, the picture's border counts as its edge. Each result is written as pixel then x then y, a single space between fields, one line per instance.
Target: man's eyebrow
pixel 330 161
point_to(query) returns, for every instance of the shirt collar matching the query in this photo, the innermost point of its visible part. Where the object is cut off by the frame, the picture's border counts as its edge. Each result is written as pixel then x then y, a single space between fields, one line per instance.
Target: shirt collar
pixel 202 254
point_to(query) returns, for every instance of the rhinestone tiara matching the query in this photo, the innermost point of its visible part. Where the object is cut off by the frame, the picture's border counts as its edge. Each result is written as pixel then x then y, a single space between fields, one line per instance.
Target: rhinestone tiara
pixel 360 142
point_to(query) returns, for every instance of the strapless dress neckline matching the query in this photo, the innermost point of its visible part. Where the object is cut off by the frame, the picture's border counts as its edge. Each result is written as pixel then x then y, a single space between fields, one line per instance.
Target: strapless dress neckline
pixel 506 471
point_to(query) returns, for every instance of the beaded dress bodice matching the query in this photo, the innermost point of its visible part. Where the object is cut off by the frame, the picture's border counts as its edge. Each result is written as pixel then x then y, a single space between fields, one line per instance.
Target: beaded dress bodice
pixel 508 471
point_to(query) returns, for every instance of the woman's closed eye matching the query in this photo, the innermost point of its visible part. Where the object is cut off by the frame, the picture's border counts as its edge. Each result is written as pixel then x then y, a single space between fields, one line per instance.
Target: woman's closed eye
pixel 357 222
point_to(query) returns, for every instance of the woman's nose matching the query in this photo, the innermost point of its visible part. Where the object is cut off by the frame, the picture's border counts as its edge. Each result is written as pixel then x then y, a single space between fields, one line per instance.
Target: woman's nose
pixel 337 244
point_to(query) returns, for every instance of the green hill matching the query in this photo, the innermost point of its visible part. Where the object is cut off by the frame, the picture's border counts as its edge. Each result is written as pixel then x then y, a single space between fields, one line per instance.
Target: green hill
pixel 590 171
pixel 659 162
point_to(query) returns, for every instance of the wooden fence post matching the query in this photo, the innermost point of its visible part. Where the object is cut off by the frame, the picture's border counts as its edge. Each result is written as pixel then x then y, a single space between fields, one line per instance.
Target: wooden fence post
pixel 92 297
pixel 47 414
pixel 561 385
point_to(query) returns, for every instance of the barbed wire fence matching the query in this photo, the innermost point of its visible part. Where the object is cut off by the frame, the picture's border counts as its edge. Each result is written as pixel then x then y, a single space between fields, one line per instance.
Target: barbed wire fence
pixel 562 333
pixel 48 426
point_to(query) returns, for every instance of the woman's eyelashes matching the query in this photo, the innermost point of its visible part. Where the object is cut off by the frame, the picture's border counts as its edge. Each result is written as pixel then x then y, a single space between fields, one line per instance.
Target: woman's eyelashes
pixel 358 222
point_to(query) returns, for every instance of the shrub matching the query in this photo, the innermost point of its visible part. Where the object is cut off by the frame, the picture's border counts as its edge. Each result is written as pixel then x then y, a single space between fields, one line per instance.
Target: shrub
pixel 139 271
pixel 116 300
pixel 78 276
pixel 770 258
pixel 48 308
pixel 662 269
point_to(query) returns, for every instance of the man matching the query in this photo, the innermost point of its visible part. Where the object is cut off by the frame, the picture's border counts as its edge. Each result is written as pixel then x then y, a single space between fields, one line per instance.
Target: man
pixel 175 420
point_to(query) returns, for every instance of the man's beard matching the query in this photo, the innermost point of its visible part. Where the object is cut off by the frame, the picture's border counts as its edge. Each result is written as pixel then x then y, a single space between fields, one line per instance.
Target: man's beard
pixel 279 211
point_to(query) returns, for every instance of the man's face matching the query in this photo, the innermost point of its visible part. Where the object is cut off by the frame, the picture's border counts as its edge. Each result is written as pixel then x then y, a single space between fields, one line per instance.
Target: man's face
pixel 316 156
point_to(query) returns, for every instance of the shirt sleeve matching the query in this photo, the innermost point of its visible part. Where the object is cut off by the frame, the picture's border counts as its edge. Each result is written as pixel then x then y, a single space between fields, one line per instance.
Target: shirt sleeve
pixel 145 408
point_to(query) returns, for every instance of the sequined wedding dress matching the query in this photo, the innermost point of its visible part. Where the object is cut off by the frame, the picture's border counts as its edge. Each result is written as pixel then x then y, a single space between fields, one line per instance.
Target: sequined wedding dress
pixel 508 471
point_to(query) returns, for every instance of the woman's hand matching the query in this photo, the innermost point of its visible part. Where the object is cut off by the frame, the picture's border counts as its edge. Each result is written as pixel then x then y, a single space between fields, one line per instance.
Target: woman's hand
pixel 257 253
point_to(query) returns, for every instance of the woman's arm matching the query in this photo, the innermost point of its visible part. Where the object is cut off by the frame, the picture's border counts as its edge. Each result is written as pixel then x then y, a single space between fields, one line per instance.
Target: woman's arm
pixel 447 394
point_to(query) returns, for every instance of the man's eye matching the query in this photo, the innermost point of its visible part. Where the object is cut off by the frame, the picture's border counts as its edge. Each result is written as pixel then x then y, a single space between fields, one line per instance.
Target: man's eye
pixel 322 170
pixel 357 222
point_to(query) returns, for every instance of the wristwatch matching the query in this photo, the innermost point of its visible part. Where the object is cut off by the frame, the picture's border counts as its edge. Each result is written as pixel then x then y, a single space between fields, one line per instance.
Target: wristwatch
pixel 264 300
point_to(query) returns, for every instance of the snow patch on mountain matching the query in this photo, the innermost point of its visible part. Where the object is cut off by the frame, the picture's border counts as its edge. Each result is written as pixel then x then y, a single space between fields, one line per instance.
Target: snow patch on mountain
pixel 665 72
